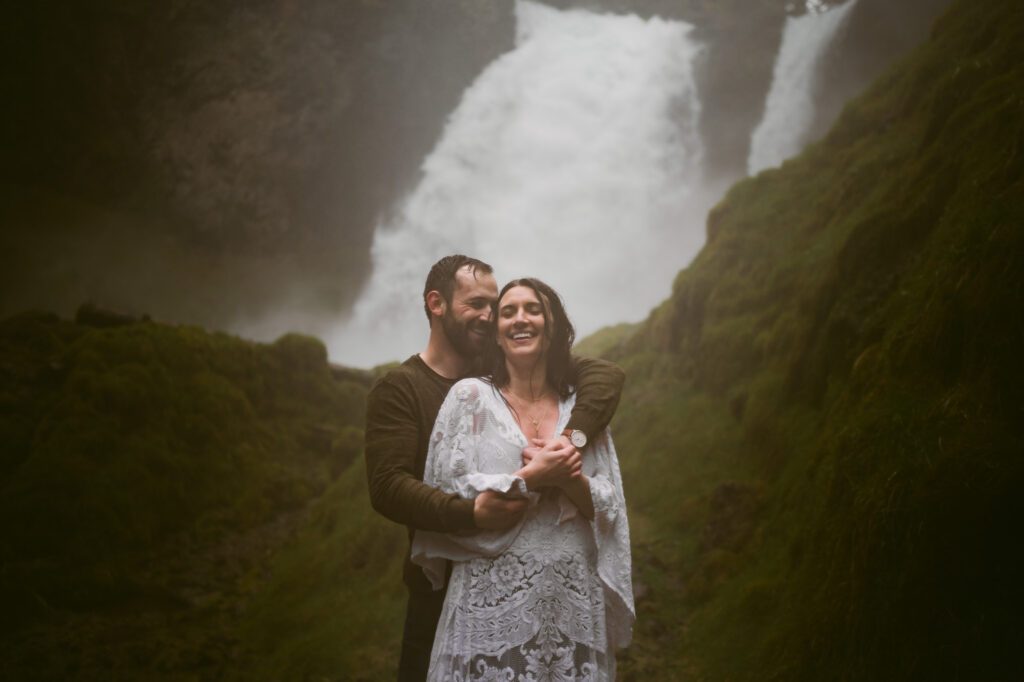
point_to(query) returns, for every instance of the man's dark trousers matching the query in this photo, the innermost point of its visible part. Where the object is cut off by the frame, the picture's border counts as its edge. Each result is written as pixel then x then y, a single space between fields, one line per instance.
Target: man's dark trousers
pixel 421 616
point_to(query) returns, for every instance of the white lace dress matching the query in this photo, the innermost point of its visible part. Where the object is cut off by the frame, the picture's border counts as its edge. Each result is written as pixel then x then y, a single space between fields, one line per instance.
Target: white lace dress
pixel 549 599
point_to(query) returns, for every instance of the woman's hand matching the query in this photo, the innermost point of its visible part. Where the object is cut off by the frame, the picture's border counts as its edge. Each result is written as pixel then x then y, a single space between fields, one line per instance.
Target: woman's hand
pixel 551 463
pixel 565 464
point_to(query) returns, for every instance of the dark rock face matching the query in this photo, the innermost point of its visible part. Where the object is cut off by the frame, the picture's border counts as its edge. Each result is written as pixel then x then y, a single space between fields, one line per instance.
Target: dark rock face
pixel 876 33
pixel 250 142
pixel 743 42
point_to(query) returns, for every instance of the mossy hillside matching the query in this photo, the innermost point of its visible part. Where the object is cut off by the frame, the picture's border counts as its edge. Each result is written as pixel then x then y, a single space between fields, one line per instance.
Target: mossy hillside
pixel 139 431
pixel 604 340
pixel 335 602
pixel 820 436
pixel 145 465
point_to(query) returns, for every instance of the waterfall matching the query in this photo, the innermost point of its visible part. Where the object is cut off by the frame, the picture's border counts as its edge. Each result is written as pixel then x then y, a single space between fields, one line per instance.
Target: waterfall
pixel 575 157
pixel 789 109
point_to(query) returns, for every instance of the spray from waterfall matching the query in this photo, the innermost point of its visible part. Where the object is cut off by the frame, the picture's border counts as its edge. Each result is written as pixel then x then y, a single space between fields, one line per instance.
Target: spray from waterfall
pixel 574 158
pixel 789 109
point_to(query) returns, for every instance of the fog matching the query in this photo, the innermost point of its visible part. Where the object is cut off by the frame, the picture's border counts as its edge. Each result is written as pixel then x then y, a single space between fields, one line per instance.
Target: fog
pixel 266 170
pixel 574 158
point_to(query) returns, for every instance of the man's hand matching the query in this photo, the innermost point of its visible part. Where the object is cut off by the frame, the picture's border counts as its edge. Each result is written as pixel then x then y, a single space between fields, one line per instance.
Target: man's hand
pixel 496 511
pixel 553 462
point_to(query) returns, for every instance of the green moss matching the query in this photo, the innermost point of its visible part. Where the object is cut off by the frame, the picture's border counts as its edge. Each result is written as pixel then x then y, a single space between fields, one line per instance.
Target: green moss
pixel 138 448
pixel 604 340
pixel 847 344
pixel 335 599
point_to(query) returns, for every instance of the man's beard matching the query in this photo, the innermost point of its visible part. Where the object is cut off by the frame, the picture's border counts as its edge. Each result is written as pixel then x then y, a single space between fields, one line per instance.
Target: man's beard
pixel 465 342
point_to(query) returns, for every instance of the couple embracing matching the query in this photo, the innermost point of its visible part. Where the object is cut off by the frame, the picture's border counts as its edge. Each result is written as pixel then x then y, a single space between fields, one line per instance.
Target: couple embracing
pixel 491 446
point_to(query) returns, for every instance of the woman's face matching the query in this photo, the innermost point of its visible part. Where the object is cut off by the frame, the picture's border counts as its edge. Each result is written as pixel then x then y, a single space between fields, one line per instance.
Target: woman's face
pixel 521 324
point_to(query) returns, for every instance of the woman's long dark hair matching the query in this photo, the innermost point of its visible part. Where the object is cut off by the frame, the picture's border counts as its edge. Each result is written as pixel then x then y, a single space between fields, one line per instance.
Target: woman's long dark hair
pixel 561 372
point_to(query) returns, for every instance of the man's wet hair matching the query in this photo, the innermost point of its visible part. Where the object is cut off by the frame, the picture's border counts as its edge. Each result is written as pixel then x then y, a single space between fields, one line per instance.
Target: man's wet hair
pixel 441 277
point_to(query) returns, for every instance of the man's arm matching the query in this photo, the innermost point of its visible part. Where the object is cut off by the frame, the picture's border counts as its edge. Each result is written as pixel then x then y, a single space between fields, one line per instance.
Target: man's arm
pixel 396 491
pixel 598 389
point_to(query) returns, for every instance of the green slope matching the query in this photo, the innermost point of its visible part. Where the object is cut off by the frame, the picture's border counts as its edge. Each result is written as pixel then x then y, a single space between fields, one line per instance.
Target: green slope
pixel 821 436
pixel 148 474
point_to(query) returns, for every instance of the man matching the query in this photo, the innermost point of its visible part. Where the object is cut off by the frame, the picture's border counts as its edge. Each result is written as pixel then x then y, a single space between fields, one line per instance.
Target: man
pixel 459 298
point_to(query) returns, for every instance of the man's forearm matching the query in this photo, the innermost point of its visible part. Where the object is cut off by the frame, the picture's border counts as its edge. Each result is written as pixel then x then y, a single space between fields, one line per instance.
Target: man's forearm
pixel 396 488
pixel 404 499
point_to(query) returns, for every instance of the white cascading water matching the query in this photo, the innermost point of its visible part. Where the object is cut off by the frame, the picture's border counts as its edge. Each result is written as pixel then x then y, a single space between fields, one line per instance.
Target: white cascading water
pixel 574 158
pixel 789 109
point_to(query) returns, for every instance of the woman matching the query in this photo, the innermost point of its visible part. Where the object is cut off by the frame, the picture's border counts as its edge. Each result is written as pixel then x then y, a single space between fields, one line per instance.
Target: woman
pixel 551 598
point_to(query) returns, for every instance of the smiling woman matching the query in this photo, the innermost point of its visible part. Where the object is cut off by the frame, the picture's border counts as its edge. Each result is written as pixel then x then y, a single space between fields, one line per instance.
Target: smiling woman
pixel 523 340
pixel 520 317
pixel 550 597
pixel 529 306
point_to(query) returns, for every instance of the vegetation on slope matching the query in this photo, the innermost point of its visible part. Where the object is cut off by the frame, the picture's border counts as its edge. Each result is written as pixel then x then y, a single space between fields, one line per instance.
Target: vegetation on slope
pixel 334 605
pixel 148 471
pixel 828 408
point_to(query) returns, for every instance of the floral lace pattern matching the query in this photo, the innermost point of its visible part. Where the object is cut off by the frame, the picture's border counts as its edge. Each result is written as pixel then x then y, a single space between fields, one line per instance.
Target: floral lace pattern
pixel 560 663
pixel 549 599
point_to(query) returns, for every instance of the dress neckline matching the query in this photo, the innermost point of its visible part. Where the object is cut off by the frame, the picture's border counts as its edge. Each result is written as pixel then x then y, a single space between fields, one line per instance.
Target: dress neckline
pixel 564 409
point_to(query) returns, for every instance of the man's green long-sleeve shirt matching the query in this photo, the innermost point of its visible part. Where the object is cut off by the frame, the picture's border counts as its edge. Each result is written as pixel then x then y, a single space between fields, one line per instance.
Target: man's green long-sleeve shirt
pixel 400 414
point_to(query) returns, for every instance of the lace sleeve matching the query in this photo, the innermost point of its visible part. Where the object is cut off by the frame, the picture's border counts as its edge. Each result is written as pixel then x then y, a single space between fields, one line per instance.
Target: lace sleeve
pixel 611 535
pixel 465 456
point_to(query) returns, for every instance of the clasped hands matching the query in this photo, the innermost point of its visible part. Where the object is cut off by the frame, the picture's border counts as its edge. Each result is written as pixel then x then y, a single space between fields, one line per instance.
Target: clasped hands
pixel 547 463
pixel 551 463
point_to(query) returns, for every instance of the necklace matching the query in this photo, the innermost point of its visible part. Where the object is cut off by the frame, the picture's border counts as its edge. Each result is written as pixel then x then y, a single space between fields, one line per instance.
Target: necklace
pixel 532 416
pixel 536 425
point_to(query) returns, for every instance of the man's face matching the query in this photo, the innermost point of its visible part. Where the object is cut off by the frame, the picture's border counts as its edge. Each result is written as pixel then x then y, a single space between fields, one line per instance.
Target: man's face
pixel 467 320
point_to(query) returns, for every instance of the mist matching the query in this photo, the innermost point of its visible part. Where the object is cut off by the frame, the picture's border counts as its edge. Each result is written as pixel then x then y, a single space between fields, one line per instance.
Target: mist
pixel 574 158
pixel 268 170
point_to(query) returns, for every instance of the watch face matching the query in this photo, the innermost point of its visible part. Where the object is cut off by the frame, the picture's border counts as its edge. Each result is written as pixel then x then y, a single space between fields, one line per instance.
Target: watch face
pixel 578 438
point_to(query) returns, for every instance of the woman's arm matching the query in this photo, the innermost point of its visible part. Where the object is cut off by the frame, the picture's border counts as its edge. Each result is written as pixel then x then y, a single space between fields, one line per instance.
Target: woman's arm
pixel 453 466
pixel 611 534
